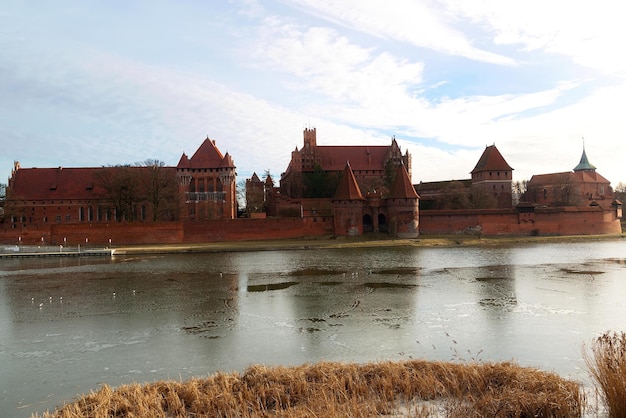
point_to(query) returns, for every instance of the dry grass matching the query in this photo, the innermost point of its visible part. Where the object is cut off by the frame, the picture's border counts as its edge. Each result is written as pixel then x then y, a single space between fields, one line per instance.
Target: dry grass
pixel 345 390
pixel 607 366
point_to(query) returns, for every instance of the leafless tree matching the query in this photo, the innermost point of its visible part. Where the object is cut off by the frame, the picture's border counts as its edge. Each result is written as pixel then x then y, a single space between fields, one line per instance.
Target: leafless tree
pixel 121 189
pixel 159 187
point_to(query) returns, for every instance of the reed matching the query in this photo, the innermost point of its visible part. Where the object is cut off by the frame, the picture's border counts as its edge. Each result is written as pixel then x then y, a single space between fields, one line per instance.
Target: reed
pixel 607 366
pixel 414 388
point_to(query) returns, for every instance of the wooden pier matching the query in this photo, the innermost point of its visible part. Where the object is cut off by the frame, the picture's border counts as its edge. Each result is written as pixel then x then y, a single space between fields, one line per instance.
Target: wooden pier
pixel 65 253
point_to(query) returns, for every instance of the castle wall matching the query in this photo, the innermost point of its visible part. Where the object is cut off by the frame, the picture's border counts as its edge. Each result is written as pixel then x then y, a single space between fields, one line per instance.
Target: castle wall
pixel 167 232
pixel 543 221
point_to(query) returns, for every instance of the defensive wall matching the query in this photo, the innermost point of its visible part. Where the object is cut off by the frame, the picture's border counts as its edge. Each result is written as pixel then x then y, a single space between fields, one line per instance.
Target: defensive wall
pixel 121 233
pixel 591 220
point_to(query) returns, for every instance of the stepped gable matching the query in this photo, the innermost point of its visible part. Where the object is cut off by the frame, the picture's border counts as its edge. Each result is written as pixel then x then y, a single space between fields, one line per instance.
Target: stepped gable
pixel 183 162
pixel 227 162
pixel 348 188
pixel 491 160
pixel 402 188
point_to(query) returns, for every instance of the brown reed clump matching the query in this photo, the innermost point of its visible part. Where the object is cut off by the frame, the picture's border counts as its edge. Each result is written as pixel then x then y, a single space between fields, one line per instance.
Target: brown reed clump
pixel 607 366
pixel 414 388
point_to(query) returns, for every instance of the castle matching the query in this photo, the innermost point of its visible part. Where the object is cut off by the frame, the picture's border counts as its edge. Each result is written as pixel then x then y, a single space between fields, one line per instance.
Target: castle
pixel 325 190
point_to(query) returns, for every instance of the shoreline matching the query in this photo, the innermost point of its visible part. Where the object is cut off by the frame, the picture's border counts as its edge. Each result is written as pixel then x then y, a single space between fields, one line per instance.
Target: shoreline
pixel 351 242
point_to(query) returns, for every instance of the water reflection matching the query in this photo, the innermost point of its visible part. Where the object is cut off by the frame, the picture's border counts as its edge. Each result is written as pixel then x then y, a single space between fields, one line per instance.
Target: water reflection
pixel 156 317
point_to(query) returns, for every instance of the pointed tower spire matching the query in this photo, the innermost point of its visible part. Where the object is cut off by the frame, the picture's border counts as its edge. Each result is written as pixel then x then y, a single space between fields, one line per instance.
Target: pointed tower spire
pixel 402 187
pixel 348 188
pixel 584 163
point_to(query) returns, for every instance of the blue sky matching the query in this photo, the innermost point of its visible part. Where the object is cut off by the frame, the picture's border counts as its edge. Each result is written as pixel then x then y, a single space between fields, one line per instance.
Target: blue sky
pixel 92 83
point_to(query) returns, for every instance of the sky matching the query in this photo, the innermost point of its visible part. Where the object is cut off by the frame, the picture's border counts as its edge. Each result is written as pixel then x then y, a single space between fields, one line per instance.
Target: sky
pixel 104 82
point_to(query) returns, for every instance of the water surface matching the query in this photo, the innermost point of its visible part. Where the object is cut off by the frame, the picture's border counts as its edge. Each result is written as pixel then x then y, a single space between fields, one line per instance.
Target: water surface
pixel 69 325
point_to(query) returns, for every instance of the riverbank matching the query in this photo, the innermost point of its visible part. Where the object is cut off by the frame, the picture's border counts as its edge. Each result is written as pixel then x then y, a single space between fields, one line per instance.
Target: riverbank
pixel 370 241
pixel 415 388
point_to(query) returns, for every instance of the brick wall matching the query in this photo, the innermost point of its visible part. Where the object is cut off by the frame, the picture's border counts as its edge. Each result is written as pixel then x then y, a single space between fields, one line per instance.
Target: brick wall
pixel 167 232
pixel 543 221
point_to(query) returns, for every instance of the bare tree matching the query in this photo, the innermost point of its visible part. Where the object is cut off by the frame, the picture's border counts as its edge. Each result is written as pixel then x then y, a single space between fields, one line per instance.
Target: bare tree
pixel 159 187
pixel 564 192
pixel 479 198
pixel 121 189
pixel 454 196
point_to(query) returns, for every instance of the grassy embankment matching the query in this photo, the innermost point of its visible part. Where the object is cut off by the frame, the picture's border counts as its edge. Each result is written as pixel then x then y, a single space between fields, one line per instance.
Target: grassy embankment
pixel 366 241
pixel 414 388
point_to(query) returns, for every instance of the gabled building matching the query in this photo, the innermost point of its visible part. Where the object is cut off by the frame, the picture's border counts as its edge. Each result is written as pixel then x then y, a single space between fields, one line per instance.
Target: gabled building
pixel 494 176
pixel 359 189
pixel 581 187
pixel 314 170
pixel 39 196
pixel 200 187
pixel 207 184
pixel 489 187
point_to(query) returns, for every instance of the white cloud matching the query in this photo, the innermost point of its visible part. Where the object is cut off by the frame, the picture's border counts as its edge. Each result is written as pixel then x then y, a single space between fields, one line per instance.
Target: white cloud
pixel 421 24
pixel 590 33
pixel 359 74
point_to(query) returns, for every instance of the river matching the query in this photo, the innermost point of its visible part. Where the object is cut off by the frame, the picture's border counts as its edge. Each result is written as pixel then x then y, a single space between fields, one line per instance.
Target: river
pixel 68 325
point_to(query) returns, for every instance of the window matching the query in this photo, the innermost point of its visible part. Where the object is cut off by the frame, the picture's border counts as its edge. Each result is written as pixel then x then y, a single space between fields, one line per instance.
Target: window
pixel 68 218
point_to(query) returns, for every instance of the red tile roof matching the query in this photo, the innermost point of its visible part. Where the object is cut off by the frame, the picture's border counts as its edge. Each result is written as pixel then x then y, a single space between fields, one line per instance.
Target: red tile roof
pixel 206 156
pixel 360 157
pixel 348 188
pixel 62 183
pixel 491 160
pixel 402 187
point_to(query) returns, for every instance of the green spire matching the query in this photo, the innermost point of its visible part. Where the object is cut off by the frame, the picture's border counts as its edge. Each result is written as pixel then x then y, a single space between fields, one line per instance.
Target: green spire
pixel 584 163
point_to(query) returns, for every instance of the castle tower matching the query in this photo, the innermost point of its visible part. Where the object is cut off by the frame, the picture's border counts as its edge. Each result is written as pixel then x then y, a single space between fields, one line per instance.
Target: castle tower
pixel 310 138
pixel 403 206
pixel 207 184
pixel 494 176
pixel 348 205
